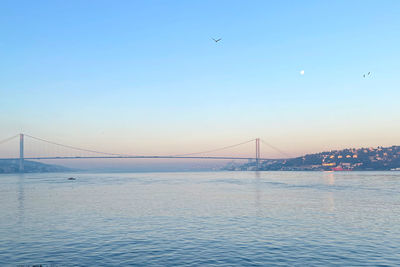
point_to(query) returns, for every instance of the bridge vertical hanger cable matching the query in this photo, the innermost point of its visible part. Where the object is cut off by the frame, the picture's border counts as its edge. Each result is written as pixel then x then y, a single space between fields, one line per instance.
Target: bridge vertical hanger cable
pixel 115 154
pixel 188 155
pixel 72 147
pixel 214 150
pixel 276 149
pixel 8 139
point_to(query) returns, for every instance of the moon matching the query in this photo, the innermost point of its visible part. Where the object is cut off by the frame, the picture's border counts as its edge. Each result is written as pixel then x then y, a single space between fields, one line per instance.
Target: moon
pixel 302 72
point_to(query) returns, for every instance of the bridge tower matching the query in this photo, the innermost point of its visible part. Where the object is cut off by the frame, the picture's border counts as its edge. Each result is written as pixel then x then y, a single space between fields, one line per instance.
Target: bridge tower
pixel 21 152
pixel 257 153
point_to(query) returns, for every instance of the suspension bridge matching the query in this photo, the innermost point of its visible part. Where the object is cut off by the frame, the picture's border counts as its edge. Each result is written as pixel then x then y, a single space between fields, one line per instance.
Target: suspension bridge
pixel 93 154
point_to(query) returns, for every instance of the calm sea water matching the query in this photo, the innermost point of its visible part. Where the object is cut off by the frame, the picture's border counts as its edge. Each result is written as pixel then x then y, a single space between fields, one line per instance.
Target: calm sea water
pixel 206 218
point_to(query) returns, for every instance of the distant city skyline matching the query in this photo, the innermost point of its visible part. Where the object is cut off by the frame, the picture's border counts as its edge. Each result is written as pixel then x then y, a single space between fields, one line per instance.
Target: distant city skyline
pixel 147 77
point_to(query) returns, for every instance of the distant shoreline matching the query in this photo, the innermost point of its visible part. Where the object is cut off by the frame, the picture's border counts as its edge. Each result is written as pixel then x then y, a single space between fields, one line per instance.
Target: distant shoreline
pixel 12 166
pixel 351 159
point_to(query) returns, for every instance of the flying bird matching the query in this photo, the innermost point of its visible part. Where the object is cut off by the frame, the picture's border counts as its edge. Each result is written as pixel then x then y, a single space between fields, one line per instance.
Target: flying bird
pixel 217 40
pixel 368 74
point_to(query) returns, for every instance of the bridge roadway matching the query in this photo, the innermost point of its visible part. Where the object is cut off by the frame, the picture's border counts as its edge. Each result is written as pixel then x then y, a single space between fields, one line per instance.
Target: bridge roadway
pixel 137 157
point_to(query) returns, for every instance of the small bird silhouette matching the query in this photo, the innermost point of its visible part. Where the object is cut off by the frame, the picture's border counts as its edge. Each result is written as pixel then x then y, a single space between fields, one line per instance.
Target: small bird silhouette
pixel 217 40
pixel 368 74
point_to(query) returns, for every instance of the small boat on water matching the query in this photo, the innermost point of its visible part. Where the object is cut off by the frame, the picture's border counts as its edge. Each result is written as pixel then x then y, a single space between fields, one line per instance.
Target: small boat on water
pixel 71 178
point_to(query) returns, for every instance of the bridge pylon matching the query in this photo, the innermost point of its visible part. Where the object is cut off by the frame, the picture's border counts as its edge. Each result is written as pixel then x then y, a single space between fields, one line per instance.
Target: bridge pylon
pixel 21 152
pixel 258 153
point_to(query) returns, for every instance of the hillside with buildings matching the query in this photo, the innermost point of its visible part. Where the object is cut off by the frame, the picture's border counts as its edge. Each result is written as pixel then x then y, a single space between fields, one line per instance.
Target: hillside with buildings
pixel 12 166
pixel 362 159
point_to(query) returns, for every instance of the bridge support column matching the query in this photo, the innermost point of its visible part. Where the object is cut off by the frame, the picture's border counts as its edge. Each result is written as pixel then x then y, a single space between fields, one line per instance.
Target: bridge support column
pixel 257 153
pixel 21 153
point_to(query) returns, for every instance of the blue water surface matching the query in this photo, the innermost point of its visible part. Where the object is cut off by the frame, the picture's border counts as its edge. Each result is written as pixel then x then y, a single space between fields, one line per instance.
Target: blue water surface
pixel 200 218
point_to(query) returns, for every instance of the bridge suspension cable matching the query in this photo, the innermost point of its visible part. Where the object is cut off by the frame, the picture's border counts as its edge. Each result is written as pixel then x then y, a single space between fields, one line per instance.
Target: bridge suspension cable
pixel 214 150
pixel 72 147
pixel 276 149
pixel 118 154
pixel 8 139
pixel 135 156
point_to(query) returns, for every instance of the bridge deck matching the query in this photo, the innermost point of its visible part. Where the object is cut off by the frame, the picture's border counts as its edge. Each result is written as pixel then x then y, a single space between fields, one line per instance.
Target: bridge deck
pixel 137 157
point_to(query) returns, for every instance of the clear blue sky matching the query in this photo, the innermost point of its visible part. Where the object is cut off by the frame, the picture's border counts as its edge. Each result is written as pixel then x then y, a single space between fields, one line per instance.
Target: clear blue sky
pixel 145 76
